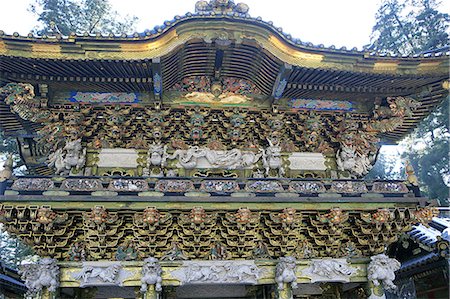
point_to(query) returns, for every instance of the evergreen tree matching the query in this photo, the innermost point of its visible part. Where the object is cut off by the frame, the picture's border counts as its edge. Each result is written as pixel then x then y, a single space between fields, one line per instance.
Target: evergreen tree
pixel 405 27
pixel 80 16
pixel 12 250
pixel 427 148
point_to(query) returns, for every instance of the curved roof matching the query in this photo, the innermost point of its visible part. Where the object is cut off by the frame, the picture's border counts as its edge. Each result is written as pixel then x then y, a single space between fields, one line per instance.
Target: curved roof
pixel 211 26
pixel 216 42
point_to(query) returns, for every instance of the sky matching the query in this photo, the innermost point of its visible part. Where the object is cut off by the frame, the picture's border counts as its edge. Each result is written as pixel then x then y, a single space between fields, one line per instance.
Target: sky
pixel 340 23
pixel 329 22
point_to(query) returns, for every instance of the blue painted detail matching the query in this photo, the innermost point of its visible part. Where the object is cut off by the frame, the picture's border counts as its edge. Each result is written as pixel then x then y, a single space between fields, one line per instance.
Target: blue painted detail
pixel 157 83
pixel 280 89
pixel 103 97
pixel 324 105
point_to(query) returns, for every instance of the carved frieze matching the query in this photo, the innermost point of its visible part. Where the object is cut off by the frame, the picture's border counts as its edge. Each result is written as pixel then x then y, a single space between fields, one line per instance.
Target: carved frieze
pixel 389 187
pixel 264 186
pixel 351 187
pixel 101 273
pixel 219 186
pixel 33 184
pixel 82 184
pixel 174 186
pixel 128 185
pixel 218 272
pixel 307 187
pixel 329 270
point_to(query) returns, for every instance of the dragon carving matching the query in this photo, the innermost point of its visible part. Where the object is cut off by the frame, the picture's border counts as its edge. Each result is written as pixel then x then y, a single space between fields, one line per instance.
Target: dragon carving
pixel 21 99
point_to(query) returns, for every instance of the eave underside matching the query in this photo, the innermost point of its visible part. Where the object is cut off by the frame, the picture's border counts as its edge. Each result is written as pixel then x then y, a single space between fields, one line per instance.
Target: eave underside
pixel 247 61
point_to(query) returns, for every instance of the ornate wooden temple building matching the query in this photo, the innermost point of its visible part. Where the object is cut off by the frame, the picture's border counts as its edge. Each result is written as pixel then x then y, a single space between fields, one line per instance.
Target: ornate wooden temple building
pixel 214 156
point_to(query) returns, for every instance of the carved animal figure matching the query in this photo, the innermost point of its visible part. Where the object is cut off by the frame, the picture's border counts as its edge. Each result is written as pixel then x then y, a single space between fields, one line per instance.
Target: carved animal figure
pixel 229 159
pixel 197 272
pixel 39 275
pixel 151 274
pixel 242 272
pixel 272 158
pixel 6 173
pixel 331 268
pixel 108 274
pixel 188 158
pixel 71 155
pixel 56 160
pixel 157 155
pixel 348 159
pixel 75 154
pixel 285 272
pixel 381 271
pixel 20 98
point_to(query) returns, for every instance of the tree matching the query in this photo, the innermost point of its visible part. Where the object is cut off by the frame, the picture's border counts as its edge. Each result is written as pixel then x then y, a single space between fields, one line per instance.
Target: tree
pixel 427 148
pixel 405 27
pixel 7 144
pixel 12 250
pixel 387 167
pixel 413 27
pixel 80 16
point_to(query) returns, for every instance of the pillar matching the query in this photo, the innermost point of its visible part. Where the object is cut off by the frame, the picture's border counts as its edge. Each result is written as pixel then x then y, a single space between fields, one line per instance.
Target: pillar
pixel 286 292
pixel 151 292
pixel 46 294
pixel 375 292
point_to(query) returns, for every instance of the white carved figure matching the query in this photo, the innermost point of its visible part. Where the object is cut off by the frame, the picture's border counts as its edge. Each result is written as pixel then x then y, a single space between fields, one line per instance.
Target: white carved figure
pixel 40 274
pixel 105 274
pixel 224 159
pixel 348 159
pixel 71 155
pixel 188 158
pixel 381 270
pixel 56 160
pixel 151 274
pixel 157 155
pixel 197 272
pixel 331 268
pixel 271 157
pixel 7 171
pixel 218 272
pixel 242 272
pixel 285 272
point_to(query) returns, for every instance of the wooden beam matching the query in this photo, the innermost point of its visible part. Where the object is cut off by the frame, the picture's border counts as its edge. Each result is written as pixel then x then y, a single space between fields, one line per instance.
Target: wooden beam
pixel 218 64
pixel 281 81
pixel 157 78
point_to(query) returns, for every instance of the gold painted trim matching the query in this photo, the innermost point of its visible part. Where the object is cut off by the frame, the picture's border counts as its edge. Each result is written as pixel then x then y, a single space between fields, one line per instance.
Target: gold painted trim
pixel 82 48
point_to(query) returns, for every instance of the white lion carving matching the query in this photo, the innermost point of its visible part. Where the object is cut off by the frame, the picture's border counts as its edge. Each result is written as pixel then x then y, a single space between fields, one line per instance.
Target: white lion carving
pixel 381 271
pixel 331 268
pixel 285 272
pixel 38 275
pixel 242 272
pixel 151 274
pixel 108 274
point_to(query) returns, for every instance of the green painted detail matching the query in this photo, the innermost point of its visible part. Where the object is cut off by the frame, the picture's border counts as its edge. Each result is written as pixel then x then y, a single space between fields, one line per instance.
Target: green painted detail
pixel 151 193
pixel 197 194
pixel 242 194
pixel 104 193
pixel 55 193
pixel 264 204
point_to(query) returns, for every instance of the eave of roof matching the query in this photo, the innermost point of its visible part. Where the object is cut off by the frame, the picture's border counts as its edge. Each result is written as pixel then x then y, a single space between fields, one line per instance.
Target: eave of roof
pixel 164 39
